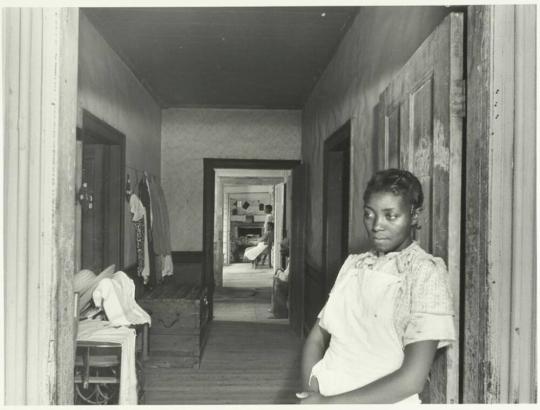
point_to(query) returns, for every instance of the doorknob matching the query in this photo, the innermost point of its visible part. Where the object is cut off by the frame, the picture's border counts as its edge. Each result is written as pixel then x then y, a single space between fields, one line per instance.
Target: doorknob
pixel 85 197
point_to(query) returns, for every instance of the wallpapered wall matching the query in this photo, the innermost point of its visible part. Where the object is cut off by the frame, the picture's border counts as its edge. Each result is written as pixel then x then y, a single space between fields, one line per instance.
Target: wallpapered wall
pixel 110 91
pixel 189 135
pixel 379 42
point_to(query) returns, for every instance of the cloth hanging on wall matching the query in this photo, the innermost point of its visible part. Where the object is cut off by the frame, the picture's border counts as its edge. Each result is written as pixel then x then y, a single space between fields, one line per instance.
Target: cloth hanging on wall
pixel 141 229
pixel 160 219
pixel 160 228
pixel 144 196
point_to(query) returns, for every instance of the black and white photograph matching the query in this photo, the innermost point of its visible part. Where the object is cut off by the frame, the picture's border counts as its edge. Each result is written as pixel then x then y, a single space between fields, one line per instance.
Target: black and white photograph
pixel 268 203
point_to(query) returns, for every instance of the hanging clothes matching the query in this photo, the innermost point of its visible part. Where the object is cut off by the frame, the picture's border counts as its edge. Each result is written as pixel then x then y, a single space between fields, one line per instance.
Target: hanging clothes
pixel 160 219
pixel 141 227
pixel 144 196
pixel 160 228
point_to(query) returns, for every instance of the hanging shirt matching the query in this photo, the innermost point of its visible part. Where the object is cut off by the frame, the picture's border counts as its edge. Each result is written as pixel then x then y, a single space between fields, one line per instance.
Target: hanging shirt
pixel 139 212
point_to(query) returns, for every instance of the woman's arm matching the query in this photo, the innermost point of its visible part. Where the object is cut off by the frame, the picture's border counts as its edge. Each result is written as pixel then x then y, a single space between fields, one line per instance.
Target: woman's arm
pixel 314 348
pixel 409 379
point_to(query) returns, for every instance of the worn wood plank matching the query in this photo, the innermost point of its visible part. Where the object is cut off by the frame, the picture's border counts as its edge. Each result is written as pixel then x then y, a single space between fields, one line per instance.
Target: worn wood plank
pixel 41 47
pixel 501 128
pixel 523 372
pixel 476 199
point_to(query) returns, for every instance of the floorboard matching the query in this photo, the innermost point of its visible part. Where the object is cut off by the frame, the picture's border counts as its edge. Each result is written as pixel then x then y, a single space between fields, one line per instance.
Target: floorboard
pixel 250 357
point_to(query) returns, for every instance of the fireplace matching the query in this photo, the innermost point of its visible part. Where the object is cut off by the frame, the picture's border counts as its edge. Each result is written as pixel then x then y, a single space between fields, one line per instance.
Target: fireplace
pixel 250 230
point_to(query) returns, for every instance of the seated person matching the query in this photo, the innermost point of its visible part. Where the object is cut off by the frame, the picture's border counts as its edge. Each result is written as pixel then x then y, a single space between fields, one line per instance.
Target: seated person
pixel 267 239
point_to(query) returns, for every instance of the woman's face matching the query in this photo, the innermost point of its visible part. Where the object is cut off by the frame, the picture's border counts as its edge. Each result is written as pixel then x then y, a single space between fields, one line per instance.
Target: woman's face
pixel 388 221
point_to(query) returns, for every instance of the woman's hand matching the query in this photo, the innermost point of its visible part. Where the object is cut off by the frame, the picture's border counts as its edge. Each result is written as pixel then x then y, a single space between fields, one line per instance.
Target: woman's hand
pixel 314 398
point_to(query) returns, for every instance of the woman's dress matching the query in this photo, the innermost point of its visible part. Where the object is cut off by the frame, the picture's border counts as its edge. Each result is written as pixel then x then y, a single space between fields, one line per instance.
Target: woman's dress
pixel 377 306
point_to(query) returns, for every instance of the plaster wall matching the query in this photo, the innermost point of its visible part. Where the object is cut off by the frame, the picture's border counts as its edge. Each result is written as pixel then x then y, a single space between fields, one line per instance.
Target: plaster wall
pixel 378 43
pixel 110 91
pixel 189 135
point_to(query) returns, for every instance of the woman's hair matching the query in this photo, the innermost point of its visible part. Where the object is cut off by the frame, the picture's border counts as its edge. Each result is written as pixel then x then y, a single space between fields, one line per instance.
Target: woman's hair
pixel 268 208
pixel 398 182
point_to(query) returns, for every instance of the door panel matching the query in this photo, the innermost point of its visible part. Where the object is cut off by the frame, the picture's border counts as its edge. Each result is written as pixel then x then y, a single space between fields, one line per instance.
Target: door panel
pixel 113 207
pixel 93 212
pixel 334 240
pixel 428 95
pixel 297 263
pixel 279 206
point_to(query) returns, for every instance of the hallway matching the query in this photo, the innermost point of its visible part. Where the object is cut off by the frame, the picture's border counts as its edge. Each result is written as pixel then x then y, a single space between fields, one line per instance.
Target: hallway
pixel 249 358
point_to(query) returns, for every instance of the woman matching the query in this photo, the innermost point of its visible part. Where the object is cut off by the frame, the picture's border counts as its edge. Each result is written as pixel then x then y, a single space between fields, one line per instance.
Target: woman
pixel 389 311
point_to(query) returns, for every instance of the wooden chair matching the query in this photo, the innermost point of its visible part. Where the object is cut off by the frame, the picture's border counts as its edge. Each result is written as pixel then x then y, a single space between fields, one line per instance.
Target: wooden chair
pixel 97 367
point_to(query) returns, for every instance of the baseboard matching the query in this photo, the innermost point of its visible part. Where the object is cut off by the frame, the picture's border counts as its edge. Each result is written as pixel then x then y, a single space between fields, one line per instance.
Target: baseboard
pixel 187 256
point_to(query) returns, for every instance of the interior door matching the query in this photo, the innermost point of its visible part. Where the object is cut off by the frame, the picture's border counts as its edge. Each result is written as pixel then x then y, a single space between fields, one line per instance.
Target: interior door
pixel 93 217
pixel 297 264
pixel 335 242
pixel 279 206
pixel 421 125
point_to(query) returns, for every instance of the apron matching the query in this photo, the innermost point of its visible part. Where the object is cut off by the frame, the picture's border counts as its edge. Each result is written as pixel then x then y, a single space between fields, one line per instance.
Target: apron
pixel 364 344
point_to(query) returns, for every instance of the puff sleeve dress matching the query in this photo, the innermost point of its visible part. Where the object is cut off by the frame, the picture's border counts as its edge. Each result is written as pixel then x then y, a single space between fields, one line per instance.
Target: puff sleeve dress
pixel 377 306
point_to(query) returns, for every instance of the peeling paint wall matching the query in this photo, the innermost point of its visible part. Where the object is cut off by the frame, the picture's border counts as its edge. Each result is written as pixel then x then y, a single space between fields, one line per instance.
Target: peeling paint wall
pixel 189 135
pixel 110 91
pixel 378 43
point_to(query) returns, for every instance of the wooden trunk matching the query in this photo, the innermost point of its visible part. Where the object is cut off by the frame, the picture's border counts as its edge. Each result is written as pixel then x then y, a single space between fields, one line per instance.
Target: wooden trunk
pixel 179 323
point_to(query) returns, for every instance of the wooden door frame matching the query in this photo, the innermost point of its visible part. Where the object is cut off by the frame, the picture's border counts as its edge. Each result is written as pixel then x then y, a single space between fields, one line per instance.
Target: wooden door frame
pixel 96 130
pixel 339 137
pixel 499 253
pixel 210 166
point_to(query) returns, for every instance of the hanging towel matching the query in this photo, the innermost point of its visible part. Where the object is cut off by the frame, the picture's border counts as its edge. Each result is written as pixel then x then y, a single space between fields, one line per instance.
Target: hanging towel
pixel 167 266
pixel 116 296
pixel 103 331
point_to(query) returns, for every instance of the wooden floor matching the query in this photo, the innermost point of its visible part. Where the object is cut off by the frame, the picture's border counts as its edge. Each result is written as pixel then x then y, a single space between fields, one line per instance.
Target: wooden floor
pixel 250 358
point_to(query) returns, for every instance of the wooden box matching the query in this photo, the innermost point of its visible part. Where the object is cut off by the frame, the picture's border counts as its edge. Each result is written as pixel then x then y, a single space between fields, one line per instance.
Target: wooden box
pixel 179 323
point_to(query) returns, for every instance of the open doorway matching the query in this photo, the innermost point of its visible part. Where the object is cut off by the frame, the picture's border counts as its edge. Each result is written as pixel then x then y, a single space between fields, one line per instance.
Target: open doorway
pixel 213 221
pixel 249 235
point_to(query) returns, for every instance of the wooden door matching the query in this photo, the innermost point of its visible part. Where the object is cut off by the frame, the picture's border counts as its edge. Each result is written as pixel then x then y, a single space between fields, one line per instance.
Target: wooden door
pixel 297 264
pixel 279 208
pixel 334 219
pixel 101 225
pixel 93 217
pixel 421 129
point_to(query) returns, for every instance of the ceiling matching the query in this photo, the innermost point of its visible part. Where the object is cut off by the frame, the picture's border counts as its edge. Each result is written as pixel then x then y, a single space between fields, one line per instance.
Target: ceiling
pixel 243 57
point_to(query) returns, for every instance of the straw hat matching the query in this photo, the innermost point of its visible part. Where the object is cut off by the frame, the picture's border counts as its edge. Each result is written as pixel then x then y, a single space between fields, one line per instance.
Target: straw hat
pixel 85 281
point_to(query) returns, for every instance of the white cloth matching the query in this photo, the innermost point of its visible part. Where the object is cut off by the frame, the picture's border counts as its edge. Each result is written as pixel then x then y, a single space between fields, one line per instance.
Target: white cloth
pixel 360 317
pixel 116 296
pixel 283 274
pixel 136 207
pixel 139 211
pixel 252 252
pixel 168 269
pixel 103 331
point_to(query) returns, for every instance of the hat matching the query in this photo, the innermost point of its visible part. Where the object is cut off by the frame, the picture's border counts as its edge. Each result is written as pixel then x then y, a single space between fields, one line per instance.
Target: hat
pixel 85 281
